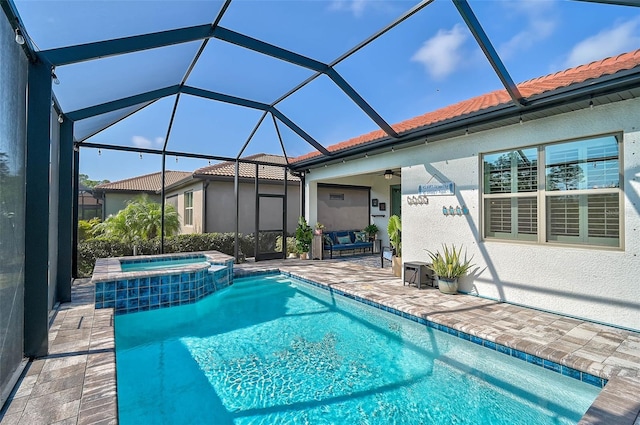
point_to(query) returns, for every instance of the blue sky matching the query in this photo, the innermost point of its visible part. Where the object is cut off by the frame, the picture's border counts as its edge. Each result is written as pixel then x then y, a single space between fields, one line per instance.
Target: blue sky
pixel 427 62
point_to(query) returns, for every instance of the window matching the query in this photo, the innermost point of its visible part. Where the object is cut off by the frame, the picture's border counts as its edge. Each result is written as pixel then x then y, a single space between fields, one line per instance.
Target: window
pixel 577 198
pixel 188 208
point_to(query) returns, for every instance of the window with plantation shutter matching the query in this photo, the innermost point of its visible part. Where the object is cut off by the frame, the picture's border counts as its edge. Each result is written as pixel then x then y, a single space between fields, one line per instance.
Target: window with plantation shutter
pixel 578 195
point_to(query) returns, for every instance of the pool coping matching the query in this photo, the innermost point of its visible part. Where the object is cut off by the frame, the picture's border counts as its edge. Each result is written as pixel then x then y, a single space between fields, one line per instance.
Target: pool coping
pixel 95 401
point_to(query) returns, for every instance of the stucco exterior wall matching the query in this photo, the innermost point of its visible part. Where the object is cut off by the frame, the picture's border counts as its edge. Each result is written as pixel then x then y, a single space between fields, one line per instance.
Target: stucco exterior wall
pixel 221 207
pixel 597 284
pixel 198 225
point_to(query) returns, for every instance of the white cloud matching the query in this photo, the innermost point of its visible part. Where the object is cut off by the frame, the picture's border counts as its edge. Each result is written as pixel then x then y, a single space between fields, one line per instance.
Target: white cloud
pixel 539 20
pixel 143 142
pixel 354 6
pixel 622 37
pixel 441 54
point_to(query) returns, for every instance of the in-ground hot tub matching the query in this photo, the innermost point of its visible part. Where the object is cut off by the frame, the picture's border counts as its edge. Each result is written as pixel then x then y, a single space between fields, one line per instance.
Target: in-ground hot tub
pixel 149 282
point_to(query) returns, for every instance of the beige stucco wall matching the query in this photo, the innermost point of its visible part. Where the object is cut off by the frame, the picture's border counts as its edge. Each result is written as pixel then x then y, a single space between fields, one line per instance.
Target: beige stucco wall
pixel 114 202
pixel 597 284
pixel 198 225
pixel 350 213
pixel 221 207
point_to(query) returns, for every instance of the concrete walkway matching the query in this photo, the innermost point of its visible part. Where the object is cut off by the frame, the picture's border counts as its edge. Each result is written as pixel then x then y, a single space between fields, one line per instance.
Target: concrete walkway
pixel 75 383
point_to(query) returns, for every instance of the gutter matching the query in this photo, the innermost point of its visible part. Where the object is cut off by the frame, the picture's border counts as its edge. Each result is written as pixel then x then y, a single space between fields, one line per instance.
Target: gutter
pixel 583 92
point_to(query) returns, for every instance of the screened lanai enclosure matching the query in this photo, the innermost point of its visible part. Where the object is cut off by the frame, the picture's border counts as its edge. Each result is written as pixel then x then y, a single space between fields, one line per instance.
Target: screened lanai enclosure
pixel 90 85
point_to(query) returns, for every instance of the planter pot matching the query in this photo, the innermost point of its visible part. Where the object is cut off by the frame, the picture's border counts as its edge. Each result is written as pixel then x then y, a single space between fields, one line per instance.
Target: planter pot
pixel 304 256
pixel 448 286
pixel 317 232
pixel 396 266
pixel 292 255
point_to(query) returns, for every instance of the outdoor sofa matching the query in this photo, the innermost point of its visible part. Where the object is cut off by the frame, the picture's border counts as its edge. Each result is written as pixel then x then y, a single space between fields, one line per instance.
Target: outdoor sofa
pixel 351 241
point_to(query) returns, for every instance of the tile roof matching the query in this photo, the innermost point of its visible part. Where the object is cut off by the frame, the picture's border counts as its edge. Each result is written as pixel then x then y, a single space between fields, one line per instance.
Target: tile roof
pixel 147 183
pixel 247 170
pixel 528 88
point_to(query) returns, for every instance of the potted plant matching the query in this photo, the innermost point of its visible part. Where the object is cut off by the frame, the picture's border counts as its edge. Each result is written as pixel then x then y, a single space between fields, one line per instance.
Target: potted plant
pixel 319 228
pixel 394 228
pixel 448 266
pixel 371 230
pixel 304 237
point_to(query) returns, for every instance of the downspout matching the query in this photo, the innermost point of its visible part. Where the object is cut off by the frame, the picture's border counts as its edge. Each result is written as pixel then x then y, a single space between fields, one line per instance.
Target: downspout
pixel 205 186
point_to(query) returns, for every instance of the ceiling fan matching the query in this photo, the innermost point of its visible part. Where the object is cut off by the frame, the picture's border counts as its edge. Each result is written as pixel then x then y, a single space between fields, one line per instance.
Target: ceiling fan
pixel 388 174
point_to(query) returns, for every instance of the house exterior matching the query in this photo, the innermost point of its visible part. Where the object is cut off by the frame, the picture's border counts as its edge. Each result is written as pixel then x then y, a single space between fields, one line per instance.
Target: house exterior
pixel 205 199
pixel 545 199
pixel 115 195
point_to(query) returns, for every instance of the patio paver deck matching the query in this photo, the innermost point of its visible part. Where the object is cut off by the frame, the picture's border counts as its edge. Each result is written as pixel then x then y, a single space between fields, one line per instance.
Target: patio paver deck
pixel 75 383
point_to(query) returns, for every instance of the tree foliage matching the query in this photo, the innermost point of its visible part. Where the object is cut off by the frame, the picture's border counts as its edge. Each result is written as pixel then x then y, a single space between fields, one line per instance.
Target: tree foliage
pixel 84 180
pixel 139 221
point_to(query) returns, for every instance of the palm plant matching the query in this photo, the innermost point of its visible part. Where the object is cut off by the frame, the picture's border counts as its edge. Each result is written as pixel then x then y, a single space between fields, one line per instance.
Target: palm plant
pixel 394 228
pixel 141 219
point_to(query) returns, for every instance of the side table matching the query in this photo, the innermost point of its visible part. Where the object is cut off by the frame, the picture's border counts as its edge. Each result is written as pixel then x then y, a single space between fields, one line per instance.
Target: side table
pixel 418 273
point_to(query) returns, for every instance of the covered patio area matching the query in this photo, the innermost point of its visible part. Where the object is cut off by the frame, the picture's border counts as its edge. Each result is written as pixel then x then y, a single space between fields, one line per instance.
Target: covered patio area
pixel 76 382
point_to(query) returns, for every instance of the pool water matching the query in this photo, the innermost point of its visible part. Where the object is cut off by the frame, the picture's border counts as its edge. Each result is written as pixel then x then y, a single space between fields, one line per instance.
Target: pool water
pixel 159 264
pixel 272 350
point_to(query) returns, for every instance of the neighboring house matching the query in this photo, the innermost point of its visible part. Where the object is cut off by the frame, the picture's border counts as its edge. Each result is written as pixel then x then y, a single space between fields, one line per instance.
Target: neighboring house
pixel 544 195
pixel 88 206
pixel 115 195
pixel 205 199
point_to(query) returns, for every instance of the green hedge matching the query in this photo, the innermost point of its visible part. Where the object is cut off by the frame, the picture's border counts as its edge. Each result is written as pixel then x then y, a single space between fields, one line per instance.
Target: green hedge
pixel 91 249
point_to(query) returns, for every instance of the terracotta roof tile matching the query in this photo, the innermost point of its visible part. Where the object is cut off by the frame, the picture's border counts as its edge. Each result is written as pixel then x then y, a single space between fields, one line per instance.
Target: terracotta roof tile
pixel 529 88
pixel 147 183
pixel 228 169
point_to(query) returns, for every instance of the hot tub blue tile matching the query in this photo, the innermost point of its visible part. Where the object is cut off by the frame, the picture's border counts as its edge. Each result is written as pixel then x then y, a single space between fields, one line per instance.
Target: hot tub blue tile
pixel 121 284
pixel 143 301
pixel 143 282
pixel 464 336
pixel 503 349
pixel 133 302
pixel 452 331
pixel 165 280
pixel 165 298
pixel 121 304
pixel 144 291
pixel 121 295
pixel 154 280
pixel 593 380
pixel 175 278
pixel 175 287
pixel 99 305
pixel 175 297
pixel 132 284
pixel 184 286
pixel 109 304
pixel 489 344
pixel 568 371
pixel 476 340
pixel 132 293
pixel 109 296
pixel 534 360
pixel 519 354
pixel 154 300
pixel 548 364
pixel 110 286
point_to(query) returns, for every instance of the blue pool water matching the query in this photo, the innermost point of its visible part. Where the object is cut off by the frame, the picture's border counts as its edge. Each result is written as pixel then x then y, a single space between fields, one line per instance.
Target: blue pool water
pixel 159 264
pixel 272 350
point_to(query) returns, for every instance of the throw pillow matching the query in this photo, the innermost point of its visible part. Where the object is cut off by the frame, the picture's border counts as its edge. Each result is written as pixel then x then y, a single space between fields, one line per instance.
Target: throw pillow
pixel 342 240
pixel 361 237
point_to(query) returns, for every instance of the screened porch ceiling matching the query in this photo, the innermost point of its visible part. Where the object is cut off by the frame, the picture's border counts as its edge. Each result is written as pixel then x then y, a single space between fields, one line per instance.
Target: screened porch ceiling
pixel 230 79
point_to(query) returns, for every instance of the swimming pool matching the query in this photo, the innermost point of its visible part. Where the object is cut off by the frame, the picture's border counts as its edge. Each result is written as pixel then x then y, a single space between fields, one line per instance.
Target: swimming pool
pixel 272 349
